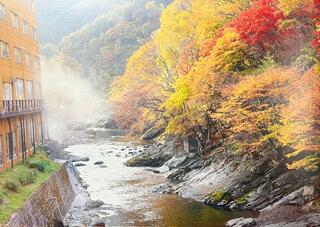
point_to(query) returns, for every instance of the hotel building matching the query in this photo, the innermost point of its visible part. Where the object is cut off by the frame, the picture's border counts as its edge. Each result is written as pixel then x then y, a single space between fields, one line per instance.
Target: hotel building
pixel 21 123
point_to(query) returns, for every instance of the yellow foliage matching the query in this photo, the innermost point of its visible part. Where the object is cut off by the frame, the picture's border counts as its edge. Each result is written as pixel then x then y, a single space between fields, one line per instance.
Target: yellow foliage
pixel 252 111
pixel 137 95
pixel 301 119
pixel 193 20
pixel 230 53
pixel 211 15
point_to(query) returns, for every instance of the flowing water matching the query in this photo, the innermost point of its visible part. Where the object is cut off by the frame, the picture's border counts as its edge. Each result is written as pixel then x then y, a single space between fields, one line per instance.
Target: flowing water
pixel 128 191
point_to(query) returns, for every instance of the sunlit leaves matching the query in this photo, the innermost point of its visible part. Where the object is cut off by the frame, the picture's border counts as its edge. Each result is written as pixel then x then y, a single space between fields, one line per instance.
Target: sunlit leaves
pixel 301 119
pixel 230 53
pixel 258 26
pixel 252 111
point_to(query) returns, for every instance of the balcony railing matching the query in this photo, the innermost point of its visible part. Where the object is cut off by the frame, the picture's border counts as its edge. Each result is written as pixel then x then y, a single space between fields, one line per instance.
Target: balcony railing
pixel 10 108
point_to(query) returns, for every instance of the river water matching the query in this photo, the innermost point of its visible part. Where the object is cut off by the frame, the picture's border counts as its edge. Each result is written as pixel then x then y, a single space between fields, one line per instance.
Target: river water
pixel 128 191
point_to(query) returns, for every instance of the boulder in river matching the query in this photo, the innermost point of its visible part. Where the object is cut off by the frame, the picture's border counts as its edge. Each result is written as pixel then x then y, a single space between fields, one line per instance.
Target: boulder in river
pixel 79 164
pixel 94 204
pixel 79 159
pixel 98 163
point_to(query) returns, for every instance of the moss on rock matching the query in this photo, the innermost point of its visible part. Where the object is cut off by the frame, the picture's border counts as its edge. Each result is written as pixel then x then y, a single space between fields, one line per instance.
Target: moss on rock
pixel 219 196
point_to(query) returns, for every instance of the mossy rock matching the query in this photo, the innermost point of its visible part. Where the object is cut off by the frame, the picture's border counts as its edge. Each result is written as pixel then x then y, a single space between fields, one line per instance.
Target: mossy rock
pixel 241 200
pixel 138 161
pixel 219 196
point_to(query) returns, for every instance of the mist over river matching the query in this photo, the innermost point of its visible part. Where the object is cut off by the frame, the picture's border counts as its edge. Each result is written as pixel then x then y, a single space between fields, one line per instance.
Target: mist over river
pixel 128 192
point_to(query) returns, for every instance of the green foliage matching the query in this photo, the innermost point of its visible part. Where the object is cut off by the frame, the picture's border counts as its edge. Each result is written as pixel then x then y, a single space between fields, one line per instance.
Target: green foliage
pixel 2 198
pixel 42 165
pixel 103 46
pixel 17 184
pixel 305 60
pixel 12 185
pixel 38 165
pixel 26 177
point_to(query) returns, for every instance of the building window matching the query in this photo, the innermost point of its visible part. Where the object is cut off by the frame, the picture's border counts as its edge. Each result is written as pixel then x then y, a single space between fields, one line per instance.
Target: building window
pixel 2 12
pixel 37 90
pixel 7 91
pixel 32 5
pixel 20 89
pixel 40 132
pixel 36 63
pixel 11 143
pixel 25 27
pixel 34 34
pixel 14 20
pixel 17 55
pixel 29 90
pixel 1 152
pixel 28 59
pixel 31 132
pixel 4 48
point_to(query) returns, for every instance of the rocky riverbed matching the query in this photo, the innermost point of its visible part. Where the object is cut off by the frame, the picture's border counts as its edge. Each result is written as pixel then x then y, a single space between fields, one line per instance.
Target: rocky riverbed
pixel 219 180
pixel 238 183
pixel 115 194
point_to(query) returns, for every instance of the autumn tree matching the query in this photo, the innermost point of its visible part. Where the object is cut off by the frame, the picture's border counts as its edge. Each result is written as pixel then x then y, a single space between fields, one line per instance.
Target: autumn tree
pixel 301 122
pixel 136 96
pixel 316 41
pixel 259 25
pixel 231 54
pixel 197 95
pixel 253 111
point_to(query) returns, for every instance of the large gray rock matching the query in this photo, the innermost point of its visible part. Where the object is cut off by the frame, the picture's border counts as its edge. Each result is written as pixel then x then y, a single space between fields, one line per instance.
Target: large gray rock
pixel 304 221
pixel 241 222
pixel 153 133
pixel 299 197
pixel 74 158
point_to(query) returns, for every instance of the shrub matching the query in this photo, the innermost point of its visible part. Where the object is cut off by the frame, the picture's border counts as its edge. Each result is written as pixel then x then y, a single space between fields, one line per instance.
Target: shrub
pixel 12 185
pixel 26 177
pixel 39 165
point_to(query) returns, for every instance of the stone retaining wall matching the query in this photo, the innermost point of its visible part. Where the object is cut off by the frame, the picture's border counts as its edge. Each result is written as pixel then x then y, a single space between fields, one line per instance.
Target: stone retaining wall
pixel 49 205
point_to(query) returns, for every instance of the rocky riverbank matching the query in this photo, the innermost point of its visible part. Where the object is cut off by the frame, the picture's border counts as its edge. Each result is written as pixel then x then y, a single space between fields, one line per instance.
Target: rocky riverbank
pixel 237 182
pixel 82 211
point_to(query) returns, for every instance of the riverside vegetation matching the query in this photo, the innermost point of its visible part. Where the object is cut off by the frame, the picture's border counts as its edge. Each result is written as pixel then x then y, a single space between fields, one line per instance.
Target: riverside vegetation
pixel 242 79
pixel 16 185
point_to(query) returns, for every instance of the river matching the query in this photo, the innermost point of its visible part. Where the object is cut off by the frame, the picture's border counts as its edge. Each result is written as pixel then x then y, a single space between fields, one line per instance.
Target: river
pixel 128 191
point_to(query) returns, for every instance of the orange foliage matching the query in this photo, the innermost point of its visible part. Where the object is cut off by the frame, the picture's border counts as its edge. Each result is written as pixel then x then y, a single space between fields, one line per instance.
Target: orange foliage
pixel 252 111
pixel 301 119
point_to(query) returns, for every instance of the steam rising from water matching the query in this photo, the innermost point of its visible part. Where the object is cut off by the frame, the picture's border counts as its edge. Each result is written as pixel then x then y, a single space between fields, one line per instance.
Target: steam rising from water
pixel 69 98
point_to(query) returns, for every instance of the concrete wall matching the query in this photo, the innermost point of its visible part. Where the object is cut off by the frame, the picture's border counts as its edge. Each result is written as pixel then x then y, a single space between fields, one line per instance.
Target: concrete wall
pixel 49 204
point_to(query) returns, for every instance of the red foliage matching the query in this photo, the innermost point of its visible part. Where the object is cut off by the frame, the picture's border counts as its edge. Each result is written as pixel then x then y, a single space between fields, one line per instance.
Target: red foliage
pixel 316 41
pixel 259 25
